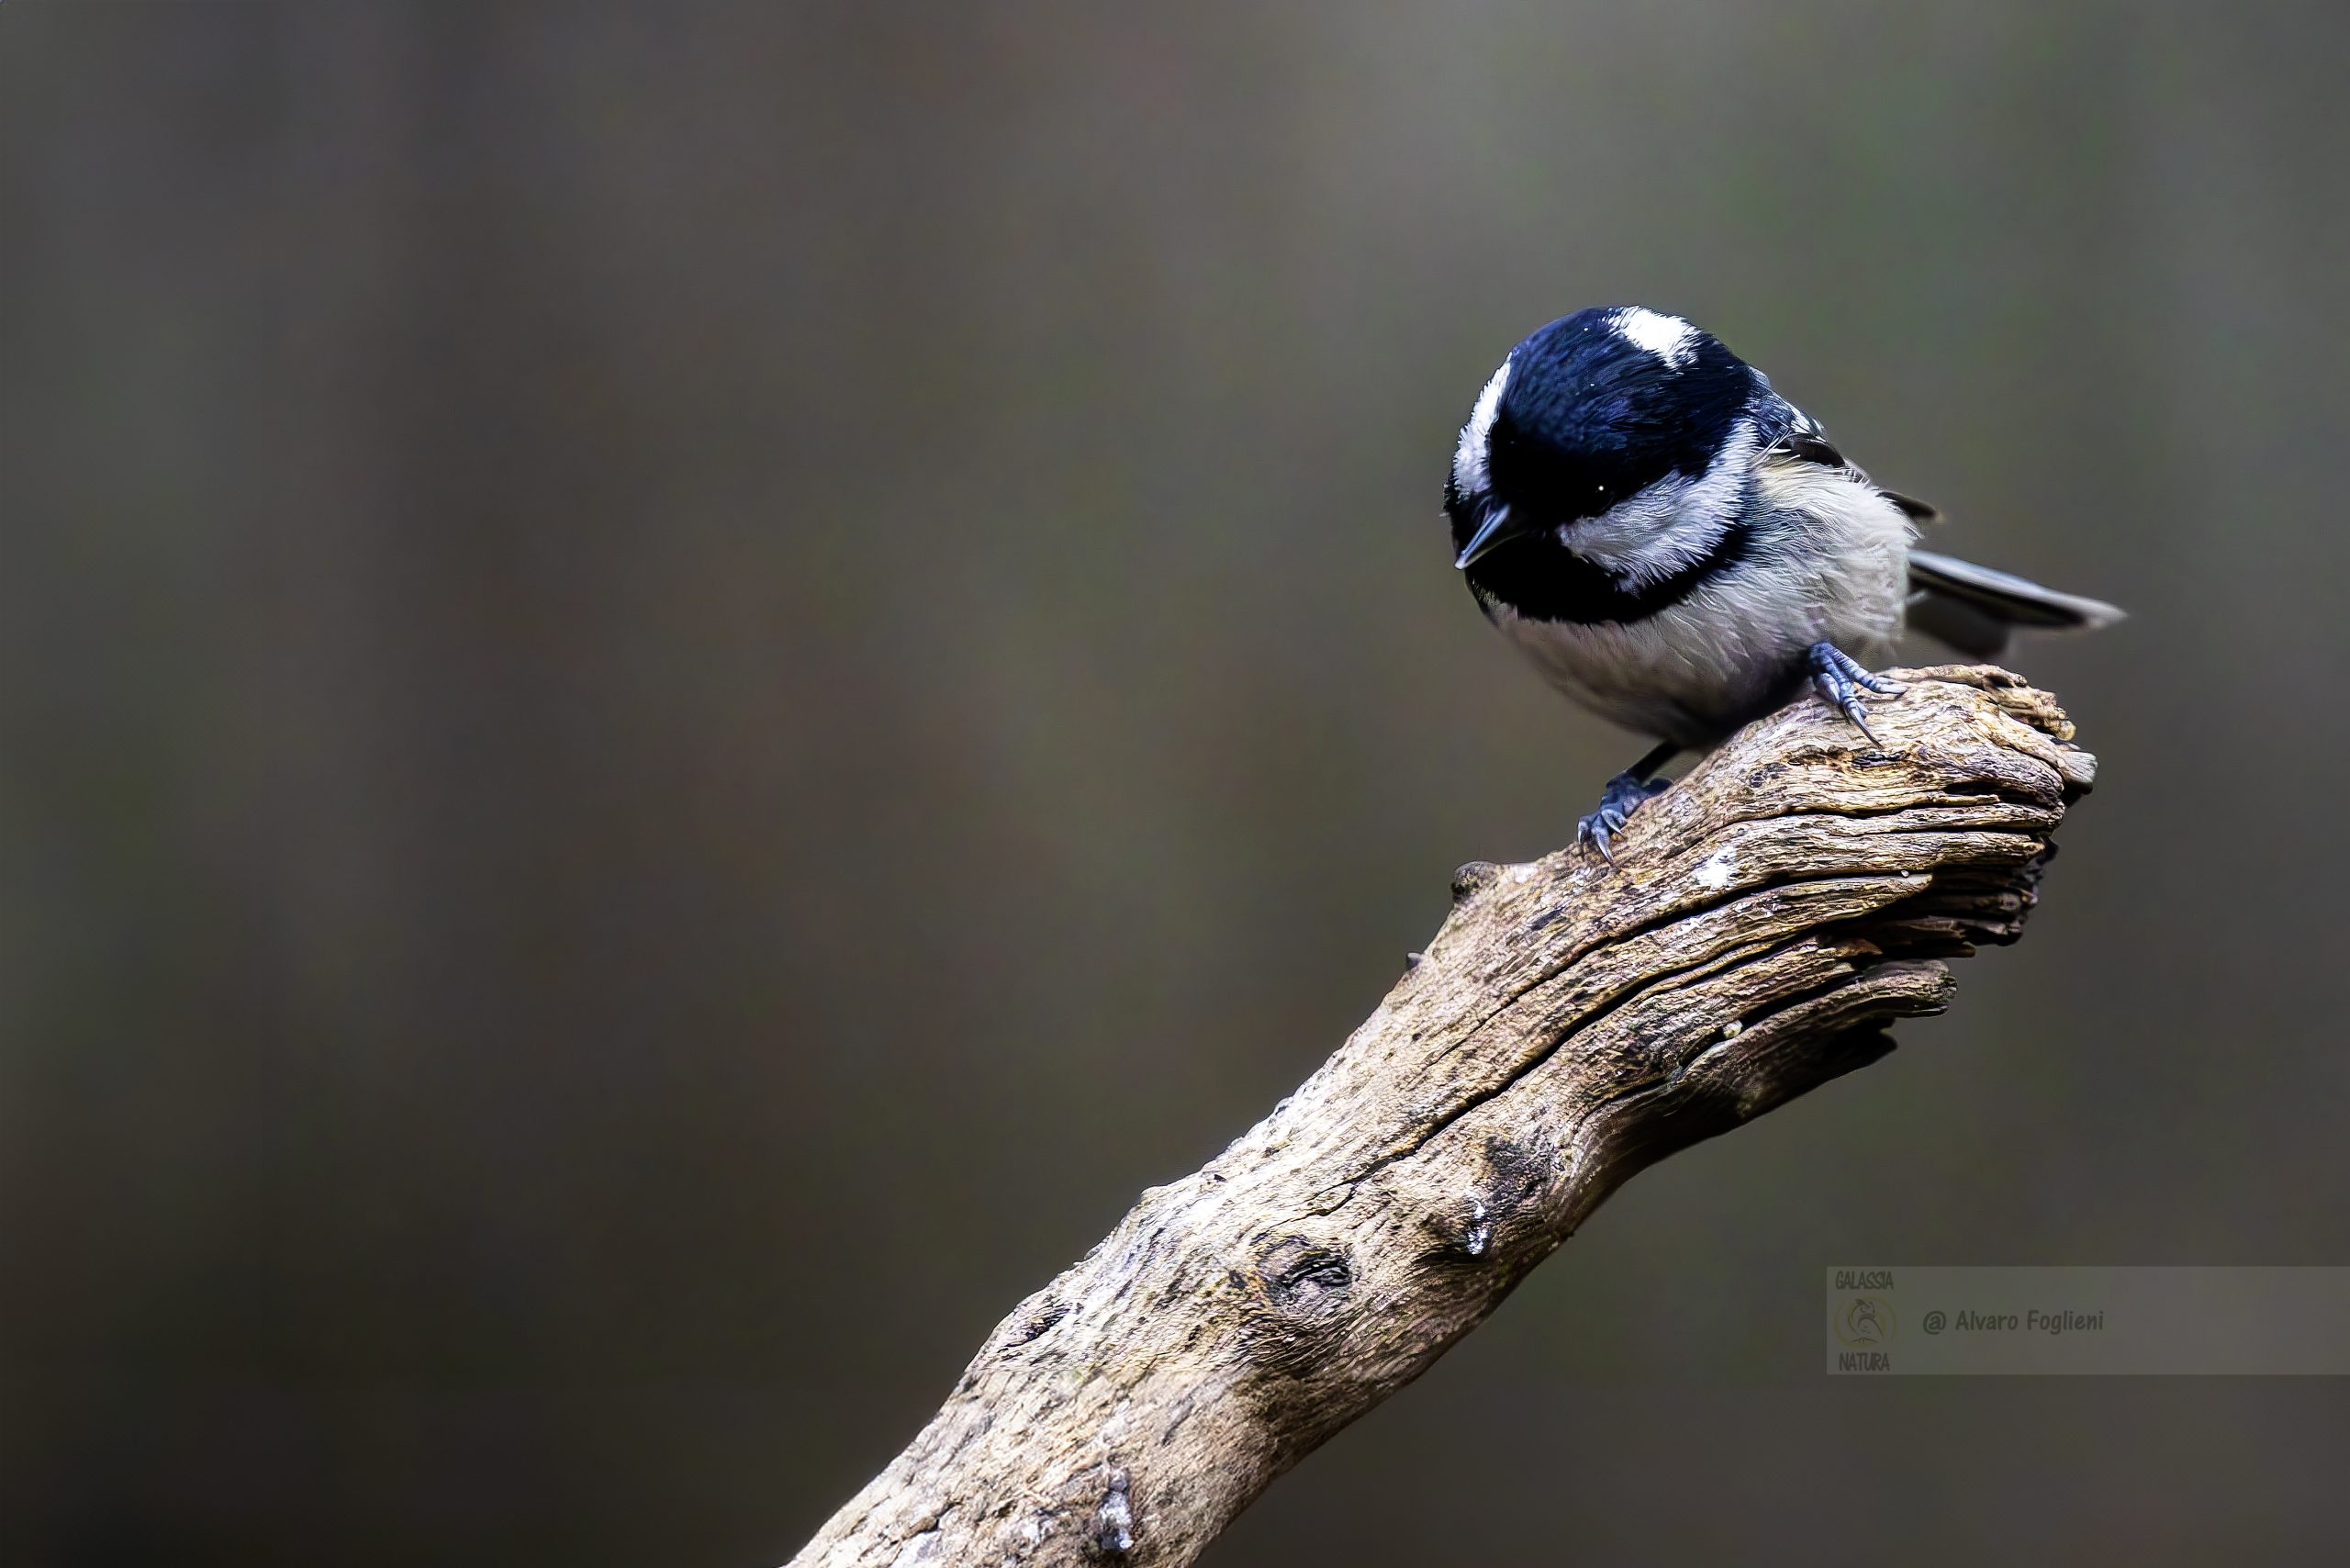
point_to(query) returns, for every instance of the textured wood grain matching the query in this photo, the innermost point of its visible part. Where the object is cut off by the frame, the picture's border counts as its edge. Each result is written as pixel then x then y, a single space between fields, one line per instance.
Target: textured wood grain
pixel 1767 918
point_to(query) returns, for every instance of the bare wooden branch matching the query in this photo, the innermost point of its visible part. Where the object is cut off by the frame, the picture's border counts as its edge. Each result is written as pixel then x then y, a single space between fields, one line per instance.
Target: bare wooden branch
pixel 1768 917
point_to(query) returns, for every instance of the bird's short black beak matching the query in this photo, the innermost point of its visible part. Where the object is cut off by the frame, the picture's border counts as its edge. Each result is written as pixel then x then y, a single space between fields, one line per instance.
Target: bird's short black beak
pixel 1498 529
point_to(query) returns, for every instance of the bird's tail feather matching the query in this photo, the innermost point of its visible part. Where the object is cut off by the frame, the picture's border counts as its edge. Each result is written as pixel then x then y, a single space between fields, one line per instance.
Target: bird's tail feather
pixel 1973 607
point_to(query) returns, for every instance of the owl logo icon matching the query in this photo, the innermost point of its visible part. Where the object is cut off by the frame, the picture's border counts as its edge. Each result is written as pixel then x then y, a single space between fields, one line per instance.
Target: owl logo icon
pixel 1865 1320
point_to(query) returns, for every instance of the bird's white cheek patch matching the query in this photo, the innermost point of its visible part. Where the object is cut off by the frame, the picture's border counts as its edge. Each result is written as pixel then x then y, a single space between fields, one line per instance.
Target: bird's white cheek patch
pixel 1674 523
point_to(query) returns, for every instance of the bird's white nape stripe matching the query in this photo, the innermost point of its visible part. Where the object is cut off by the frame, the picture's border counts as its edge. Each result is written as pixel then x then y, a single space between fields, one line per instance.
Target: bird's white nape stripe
pixel 1468 461
pixel 1668 338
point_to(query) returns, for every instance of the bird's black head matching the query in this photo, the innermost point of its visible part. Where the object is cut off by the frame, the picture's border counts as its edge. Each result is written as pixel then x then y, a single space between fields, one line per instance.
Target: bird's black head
pixel 1586 413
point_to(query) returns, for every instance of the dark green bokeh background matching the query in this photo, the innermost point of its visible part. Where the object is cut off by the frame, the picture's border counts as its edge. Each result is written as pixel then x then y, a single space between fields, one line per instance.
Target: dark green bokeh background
pixel 683 686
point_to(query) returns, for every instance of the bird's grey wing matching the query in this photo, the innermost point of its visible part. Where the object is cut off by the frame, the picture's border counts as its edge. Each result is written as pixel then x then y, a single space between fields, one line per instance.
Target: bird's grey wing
pixel 1793 436
pixel 2005 597
pixel 1973 607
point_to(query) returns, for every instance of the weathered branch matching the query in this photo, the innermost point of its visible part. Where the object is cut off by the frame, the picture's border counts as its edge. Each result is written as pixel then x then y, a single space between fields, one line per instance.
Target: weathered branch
pixel 1569 1024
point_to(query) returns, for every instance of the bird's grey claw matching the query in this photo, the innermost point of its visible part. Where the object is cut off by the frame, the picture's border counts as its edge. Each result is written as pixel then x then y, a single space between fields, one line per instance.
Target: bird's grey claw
pixel 1625 794
pixel 1595 830
pixel 1839 679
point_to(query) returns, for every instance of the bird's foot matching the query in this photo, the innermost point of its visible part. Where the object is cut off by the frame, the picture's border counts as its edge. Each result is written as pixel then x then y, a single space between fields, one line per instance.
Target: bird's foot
pixel 1836 676
pixel 1625 794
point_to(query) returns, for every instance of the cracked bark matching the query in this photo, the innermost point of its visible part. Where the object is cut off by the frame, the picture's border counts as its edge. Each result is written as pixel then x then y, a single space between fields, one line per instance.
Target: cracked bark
pixel 1771 914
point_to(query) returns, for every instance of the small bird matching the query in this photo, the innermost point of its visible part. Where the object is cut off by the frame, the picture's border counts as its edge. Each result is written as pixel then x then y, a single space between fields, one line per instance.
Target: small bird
pixel 1680 549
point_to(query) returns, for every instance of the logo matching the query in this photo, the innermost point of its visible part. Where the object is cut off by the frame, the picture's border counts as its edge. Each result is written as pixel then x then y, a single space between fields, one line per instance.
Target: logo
pixel 1865 1320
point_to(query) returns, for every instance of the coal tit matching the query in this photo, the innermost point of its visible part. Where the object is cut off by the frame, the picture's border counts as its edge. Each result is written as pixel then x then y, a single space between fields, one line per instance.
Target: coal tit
pixel 1681 549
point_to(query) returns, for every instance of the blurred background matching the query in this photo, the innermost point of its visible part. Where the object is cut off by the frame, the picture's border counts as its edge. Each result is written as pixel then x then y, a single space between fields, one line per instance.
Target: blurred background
pixel 683 686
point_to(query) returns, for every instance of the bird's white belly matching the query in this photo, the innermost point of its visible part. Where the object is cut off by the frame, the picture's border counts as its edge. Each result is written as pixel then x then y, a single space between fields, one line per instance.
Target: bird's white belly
pixel 1833 567
pixel 1691 672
